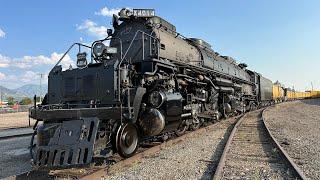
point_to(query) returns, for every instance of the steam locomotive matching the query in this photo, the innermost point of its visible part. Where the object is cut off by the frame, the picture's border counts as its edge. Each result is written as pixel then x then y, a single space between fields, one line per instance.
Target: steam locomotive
pixel 144 80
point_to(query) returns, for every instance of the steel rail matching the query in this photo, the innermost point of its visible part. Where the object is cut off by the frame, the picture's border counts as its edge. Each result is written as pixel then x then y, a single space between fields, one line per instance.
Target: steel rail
pixel 15 136
pixel 219 170
pixel 285 154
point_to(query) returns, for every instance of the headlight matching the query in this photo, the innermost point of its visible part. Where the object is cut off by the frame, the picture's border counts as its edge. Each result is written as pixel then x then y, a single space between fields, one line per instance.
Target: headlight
pixel 156 98
pixel 82 60
pixel 98 49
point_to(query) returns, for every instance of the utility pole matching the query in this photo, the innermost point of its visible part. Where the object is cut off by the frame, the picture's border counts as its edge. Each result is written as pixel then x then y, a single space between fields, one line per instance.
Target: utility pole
pixel 0 97
pixel 40 94
pixel 311 86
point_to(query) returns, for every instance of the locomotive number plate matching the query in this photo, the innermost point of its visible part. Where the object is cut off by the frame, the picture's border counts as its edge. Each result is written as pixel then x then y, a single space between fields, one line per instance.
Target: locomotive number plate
pixel 143 12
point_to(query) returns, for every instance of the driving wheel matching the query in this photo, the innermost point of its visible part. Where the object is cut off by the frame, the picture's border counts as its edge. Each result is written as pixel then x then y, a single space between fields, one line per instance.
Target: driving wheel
pixel 127 140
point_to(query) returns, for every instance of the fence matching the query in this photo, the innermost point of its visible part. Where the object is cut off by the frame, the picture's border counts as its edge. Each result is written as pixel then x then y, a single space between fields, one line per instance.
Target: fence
pixel 14 108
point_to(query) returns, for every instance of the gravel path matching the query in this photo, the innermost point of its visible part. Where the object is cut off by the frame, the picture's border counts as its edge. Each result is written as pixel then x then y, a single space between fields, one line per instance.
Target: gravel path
pixel 14 156
pixel 296 126
pixel 193 158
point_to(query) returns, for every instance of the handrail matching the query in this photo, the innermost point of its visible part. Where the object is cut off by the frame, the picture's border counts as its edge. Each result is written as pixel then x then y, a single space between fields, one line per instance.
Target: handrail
pixel 122 56
pixel 79 44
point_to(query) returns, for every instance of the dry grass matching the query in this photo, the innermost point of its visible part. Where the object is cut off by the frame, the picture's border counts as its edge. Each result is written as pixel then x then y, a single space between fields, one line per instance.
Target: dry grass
pixel 14 120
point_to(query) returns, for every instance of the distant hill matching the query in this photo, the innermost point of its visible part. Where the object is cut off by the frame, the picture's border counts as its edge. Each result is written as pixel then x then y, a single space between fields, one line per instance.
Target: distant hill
pixel 5 92
pixel 28 90
pixel 31 89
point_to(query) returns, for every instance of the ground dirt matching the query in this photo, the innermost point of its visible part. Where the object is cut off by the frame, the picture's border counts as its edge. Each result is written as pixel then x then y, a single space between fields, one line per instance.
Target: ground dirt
pixel 15 120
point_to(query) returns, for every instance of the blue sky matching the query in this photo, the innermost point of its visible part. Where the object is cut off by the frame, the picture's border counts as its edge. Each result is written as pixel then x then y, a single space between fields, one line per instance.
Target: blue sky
pixel 280 39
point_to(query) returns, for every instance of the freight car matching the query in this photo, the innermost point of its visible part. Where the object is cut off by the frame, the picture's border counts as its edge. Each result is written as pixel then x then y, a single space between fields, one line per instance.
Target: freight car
pixel 144 80
pixel 290 94
pixel 277 92
pixel 314 94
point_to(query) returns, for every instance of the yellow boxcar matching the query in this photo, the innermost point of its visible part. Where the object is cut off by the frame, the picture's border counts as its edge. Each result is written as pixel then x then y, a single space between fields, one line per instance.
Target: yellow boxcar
pixel 299 95
pixel 290 95
pixel 314 94
pixel 277 93
pixel 302 95
pixel 307 94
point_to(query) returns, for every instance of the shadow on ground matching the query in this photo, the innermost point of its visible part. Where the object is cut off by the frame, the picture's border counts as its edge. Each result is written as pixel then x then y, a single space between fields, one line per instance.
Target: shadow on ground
pixel 35 175
pixel 312 101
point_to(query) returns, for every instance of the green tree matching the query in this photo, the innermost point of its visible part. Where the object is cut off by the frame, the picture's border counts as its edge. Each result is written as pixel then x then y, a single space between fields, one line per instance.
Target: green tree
pixel 25 101
pixel 10 100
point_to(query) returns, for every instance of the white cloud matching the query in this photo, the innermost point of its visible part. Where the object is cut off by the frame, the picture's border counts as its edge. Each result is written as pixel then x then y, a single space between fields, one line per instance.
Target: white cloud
pixel 31 61
pixel 66 61
pixel 29 76
pixel 105 11
pixel 41 59
pixel 2 33
pixel 26 77
pixel 93 29
pixel 22 65
pixel 2 76
pixel 4 61
pixel 27 69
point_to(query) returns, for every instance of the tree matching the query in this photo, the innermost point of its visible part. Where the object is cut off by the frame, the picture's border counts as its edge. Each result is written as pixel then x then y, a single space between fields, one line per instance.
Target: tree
pixel 10 100
pixel 26 101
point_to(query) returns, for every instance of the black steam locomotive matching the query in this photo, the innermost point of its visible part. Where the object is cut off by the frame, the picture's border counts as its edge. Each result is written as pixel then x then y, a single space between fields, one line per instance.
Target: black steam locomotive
pixel 143 80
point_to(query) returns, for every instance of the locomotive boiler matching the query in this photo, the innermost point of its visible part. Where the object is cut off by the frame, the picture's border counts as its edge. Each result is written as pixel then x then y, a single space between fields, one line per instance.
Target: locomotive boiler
pixel 144 80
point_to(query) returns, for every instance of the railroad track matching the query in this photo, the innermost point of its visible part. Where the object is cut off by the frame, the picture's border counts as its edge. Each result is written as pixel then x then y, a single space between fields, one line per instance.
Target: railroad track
pixel 251 152
pixel 15 136
pixel 115 163
pixel 15 133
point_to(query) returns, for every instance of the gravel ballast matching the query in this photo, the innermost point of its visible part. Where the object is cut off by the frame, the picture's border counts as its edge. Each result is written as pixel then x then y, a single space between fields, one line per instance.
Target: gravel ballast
pixel 252 154
pixel 296 126
pixel 194 158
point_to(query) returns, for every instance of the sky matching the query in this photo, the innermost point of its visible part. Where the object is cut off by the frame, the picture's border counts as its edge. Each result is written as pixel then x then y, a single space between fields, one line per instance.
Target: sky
pixel 279 39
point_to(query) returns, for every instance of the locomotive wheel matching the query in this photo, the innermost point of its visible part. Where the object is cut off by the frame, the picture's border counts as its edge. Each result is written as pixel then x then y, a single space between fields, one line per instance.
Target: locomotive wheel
pixel 127 140
pixel 182 129
pixel 196 123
